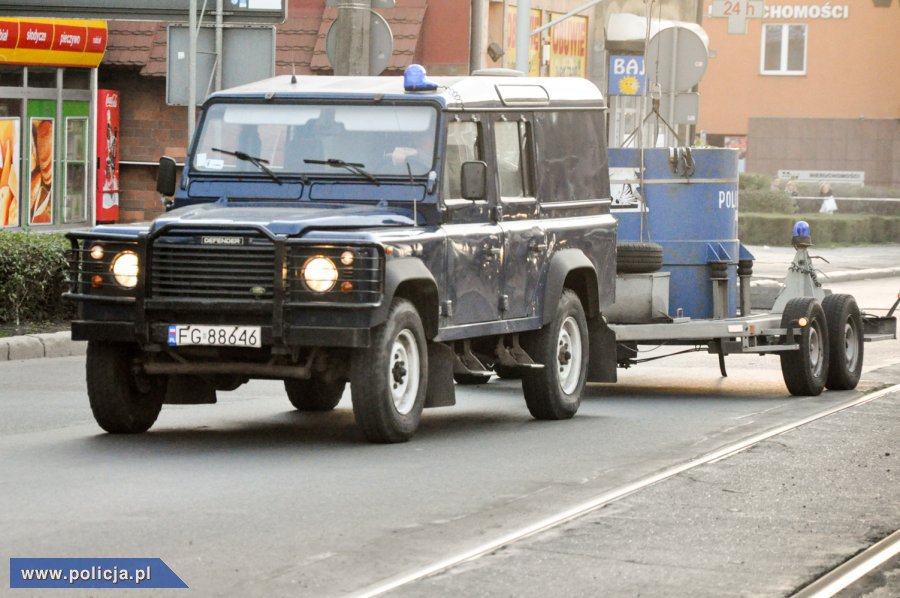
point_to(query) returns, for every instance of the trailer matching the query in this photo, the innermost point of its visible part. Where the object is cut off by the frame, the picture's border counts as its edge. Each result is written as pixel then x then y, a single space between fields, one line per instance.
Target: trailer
pixel 686 201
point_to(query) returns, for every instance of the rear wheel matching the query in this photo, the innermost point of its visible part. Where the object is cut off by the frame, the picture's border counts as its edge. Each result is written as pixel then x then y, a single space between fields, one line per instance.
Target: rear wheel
pixel 388 379
pixel 314 394
pixel 845 342
pixel 554 391
pixel 123 401
pixel 805 370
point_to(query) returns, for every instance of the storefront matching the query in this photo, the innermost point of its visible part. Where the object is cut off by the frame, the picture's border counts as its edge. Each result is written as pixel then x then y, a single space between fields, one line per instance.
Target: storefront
pixel 48 124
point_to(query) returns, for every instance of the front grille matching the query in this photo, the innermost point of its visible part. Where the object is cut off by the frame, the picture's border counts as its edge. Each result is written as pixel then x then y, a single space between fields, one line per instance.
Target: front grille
pixel 186 267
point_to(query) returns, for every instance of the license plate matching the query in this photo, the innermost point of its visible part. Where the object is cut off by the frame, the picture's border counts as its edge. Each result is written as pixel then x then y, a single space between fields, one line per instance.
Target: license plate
pixel 181 335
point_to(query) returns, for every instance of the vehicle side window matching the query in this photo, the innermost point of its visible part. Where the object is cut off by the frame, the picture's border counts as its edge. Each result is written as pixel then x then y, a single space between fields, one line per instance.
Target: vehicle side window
pixel 512 141
pixel 463 145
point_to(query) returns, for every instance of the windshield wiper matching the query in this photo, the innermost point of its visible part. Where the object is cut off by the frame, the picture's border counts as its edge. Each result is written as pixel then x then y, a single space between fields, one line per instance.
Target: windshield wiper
pixel 354 167
pixel 258 162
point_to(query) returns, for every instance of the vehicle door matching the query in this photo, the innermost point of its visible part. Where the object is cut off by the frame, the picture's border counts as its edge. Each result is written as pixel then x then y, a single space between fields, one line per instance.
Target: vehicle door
pixel 474 238
pixel 524 237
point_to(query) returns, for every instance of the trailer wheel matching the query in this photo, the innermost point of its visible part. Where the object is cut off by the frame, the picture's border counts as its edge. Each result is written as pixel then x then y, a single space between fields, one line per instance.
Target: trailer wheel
pixel 122 401
pixel 638 258
pixel 806 369
pixel 506 372
pixel 314 394
pixel 471 379
pixel 845 339
pixel 388 379
pixel 554 391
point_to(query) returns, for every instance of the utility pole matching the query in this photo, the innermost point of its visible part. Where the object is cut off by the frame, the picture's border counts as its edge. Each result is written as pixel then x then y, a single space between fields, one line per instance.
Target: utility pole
pixel 523 35
pixel 192 69
pixel 352 37
pixel 479 42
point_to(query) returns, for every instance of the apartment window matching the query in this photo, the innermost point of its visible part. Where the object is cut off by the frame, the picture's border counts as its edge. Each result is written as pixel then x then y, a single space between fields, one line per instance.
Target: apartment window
pixel 784 49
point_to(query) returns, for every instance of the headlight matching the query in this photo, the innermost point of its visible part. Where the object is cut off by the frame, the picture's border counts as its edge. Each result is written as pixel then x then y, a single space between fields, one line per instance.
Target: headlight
pixel 319 274
pixel 125 269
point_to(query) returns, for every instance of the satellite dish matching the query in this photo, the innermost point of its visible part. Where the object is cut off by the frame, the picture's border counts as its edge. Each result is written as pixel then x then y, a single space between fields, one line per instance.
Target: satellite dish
pixel 381 43
pixel 677 57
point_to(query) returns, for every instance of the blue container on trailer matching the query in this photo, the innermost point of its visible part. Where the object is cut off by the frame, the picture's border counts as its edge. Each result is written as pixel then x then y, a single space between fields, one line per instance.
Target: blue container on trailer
pixel 692 212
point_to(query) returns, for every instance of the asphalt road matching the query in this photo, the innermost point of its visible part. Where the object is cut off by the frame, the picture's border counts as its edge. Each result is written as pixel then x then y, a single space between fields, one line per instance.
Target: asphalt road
pixel 249 497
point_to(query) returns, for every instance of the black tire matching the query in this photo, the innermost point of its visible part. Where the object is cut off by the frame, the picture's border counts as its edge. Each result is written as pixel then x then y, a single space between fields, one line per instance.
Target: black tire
pixel 314 394
pixel 388 379
pixel 470 379
pixel 554 391
pixel 122 403
pixel 806 370
pixel 508 372
pixel 845 342
pixel 638 258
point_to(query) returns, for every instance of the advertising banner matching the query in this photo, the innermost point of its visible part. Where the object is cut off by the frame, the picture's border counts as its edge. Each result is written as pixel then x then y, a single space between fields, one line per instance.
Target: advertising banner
pixel 9 176
pixel 54 42
pixel 626 75
pixel 568 47
pixel 40 205
pixel 107 155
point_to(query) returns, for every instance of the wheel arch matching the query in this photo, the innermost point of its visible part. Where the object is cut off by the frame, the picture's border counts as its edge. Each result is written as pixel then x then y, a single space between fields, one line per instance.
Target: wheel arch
pixel 410 279
pixel 571 269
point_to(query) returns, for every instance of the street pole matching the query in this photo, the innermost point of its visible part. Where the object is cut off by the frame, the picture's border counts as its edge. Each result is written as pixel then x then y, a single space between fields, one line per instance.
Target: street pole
pixel 192 69
pixel 219 55
pixel 479 42
pixel 523 35
pixel 352 37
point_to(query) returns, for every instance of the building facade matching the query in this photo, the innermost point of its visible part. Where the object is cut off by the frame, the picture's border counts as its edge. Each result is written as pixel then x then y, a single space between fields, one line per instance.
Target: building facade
pixel 811 85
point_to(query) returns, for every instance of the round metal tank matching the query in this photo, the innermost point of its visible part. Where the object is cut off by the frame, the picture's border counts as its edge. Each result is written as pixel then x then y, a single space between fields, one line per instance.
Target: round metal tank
pixel 692 212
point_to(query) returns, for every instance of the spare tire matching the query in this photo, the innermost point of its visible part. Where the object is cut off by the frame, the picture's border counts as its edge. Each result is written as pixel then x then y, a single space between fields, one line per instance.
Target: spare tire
pixel 638 258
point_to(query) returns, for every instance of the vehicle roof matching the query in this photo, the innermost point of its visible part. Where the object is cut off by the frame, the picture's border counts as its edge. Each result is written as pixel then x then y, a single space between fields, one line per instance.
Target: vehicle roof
pixel 454 93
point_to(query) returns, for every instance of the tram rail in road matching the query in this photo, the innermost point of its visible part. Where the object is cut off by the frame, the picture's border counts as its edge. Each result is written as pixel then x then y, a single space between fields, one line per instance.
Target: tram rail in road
pixel 601 500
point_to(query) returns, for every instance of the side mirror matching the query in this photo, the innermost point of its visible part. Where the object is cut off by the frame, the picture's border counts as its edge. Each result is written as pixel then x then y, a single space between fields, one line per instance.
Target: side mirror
pixel 474 180
pixel 165 176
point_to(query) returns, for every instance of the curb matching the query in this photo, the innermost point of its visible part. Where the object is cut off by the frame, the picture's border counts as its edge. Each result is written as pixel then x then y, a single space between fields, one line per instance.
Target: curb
pixel 33 346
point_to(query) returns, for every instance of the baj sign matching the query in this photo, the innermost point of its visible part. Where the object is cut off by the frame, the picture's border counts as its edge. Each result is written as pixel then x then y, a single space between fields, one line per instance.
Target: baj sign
pixel 54 42
pixel 626 75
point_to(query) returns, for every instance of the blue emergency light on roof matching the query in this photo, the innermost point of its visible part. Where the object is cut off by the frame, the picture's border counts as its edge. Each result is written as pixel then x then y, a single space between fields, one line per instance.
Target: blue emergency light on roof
pixel 414 79
pixel 801 228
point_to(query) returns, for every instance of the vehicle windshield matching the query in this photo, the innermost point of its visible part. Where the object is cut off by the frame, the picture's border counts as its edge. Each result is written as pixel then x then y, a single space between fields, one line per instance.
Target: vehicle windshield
pixel 309 139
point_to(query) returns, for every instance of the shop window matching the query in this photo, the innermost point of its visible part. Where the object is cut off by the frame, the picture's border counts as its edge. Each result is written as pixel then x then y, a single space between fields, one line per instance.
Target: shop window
pixel 784 49
pixel 41 78
pixel 75 206
pixel 76 79
pixel 512 141
pixel 11 75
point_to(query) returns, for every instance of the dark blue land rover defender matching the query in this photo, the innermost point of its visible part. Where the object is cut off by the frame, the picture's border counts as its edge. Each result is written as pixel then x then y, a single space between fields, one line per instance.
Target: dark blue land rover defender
pixel 395 233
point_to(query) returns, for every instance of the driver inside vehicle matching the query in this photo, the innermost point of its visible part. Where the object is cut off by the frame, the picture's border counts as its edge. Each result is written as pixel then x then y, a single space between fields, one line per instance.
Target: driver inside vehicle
pixel 417 150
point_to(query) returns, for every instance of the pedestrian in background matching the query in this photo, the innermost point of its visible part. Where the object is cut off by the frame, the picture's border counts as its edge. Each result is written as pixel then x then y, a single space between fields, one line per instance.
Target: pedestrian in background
pixel 829 206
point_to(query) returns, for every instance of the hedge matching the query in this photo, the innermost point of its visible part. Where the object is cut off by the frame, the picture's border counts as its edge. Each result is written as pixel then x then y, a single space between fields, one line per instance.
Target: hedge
pixel 777 229
pixel 33 270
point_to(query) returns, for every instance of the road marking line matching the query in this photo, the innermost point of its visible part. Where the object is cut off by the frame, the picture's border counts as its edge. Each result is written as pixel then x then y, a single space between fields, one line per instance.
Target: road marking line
pixel 606 498
pixel 842 576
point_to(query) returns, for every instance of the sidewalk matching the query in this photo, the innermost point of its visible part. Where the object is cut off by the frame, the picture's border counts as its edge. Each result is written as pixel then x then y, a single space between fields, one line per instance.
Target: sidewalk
pixel 769 267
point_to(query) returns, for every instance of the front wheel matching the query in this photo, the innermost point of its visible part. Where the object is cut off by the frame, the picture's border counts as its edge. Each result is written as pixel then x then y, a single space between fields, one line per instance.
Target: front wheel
pixel 388 379
pixel 554 391
pixel 846 342
pixel 806 369
pixel 123 401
